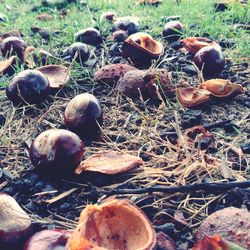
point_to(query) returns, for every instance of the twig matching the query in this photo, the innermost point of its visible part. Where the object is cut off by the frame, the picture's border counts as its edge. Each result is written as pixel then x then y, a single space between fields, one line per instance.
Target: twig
pixel 208 187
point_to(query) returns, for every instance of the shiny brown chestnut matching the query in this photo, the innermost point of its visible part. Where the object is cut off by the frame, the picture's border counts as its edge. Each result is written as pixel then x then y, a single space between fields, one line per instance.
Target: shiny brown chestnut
pixel 83 115
pixel 55 239
pixel 128 24
pixel 108 16
pixel 141 48
pixel 56 150
pixel 13 46
pixel 172 30
pixel 210 60
pixel 90 36
pixel 15 226
pixel 78 51
pixel 120 36
pixel 29 86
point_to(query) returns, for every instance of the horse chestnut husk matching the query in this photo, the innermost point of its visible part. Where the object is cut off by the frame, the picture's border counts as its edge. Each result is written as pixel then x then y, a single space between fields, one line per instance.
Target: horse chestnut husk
pixel 29 86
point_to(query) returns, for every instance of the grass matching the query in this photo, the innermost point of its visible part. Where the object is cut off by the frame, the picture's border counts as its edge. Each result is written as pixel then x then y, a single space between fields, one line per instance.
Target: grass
pixel 167 162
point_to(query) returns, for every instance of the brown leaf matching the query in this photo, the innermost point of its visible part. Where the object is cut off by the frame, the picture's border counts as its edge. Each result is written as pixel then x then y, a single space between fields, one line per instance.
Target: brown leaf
pixel 109 162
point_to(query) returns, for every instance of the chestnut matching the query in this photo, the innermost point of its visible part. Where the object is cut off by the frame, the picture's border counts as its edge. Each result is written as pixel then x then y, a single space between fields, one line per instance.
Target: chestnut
pixel 15 226
pixel 83 115
pixel 29 86
pixel 210 60
pixel 120 36
pixel 55 239
pixel 56 149
pixel 172 30
pixel 78 51
pixel 13 46
pixel 128 24
pixel 90 36
pixel 108 16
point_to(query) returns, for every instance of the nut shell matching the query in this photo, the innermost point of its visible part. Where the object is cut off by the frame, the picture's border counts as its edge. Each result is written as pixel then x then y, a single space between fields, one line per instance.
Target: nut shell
pixel 109 162
pixel 110 74
pixel 221 87
pixel 56 150
pixel 232 224
pixel 83 115
pixel 210 60
pixel 194 44
pixel 58 75
pixel 141 48
pixel 192 97
pixel 29 86
pixel 143 83
pixel 115 224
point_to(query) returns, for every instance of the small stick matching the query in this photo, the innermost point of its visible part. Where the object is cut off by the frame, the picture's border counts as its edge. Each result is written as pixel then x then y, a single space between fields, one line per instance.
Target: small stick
pixel 208 187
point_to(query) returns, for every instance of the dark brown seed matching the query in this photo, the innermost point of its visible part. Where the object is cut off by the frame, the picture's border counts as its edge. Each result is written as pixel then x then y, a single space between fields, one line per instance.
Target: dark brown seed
pixel 29 86
pixel 56 151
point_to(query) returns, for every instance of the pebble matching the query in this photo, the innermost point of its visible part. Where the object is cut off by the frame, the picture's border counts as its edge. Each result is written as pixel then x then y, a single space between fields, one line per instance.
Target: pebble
pixel 245 147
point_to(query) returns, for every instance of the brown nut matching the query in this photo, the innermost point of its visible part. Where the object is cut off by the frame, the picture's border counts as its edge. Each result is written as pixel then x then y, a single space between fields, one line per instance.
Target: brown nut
pixel 56 151
pixel 90 36
pixel 210 60
pixel 172 30
pixel 141 48
pixel 83 115
pixel 221 87
pixel 107 226
pixel 15 224
pixel 108 16
pixel 13 46
pixel 29 86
